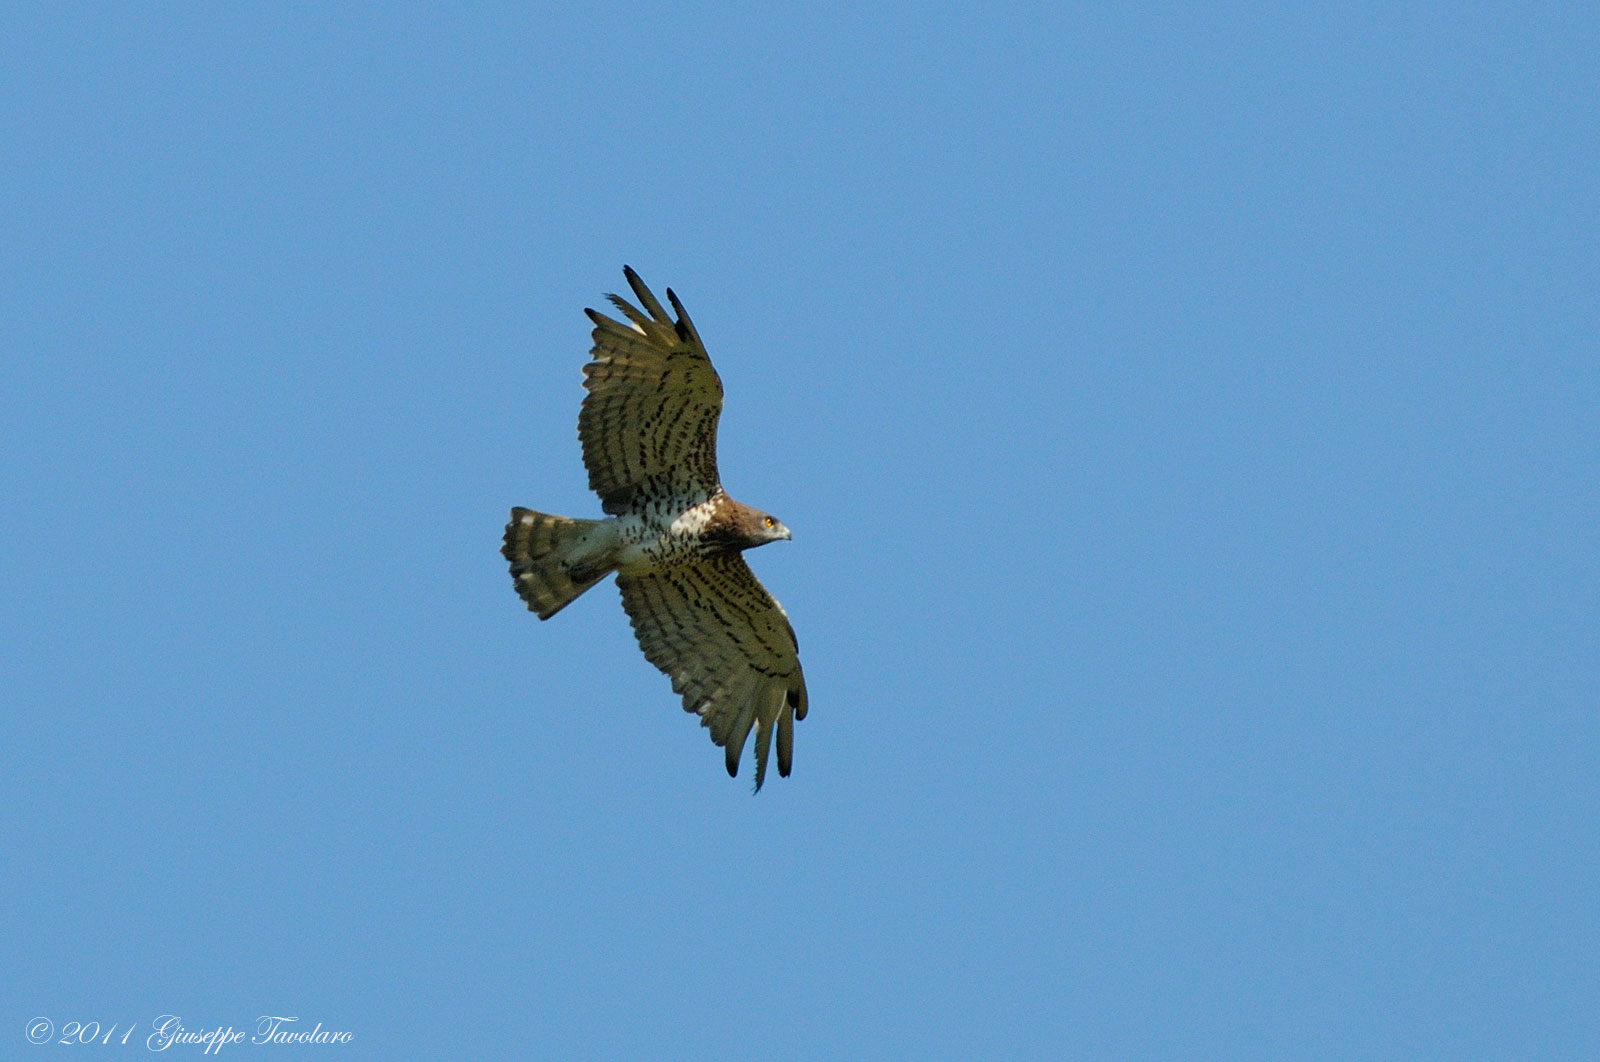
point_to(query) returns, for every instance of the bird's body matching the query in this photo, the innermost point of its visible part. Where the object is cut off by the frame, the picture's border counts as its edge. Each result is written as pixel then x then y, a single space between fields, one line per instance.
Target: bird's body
pixel 673 537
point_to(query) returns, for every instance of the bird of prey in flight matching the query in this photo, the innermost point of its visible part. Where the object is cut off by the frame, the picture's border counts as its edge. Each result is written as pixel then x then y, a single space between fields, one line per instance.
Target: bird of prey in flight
pixel 672 535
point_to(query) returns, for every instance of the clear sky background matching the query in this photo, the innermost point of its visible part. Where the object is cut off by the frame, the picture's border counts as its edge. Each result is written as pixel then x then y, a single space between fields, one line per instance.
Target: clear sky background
pixel 1188 418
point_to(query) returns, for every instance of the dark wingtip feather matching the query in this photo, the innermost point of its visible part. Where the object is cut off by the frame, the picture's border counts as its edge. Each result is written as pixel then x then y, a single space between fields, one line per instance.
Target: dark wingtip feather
pixel 785 741
pixel 763 743
pixel 646 299
pixel 685 327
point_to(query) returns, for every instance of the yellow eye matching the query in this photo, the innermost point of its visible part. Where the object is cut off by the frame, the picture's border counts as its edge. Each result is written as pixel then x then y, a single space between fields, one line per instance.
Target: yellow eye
pixel 769 521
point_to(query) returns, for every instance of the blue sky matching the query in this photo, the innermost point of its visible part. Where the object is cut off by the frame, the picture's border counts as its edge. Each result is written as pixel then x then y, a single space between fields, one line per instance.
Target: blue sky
pixel 1187 420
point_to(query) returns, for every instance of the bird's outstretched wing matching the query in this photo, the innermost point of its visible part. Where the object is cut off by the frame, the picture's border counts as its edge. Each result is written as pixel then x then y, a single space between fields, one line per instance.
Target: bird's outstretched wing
pixel 729 650
pixel 649 422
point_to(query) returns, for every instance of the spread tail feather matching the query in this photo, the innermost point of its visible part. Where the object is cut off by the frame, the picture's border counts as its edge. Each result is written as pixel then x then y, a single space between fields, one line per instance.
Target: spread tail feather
pixel 555 558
